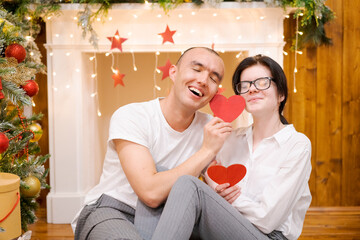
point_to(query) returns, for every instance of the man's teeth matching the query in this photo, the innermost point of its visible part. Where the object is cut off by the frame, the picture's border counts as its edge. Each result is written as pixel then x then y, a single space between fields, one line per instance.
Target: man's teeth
pixel 196 91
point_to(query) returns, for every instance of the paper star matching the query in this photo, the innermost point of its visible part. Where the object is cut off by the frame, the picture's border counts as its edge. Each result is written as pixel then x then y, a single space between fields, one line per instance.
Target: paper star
pixel 165 69
pixel 118 78
pixel 116 41
pixel 167 35
pixel 220 90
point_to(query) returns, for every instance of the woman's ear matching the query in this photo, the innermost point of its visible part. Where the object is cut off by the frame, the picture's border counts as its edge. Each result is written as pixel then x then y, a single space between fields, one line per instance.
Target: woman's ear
pixel 281 98
pixel 172 72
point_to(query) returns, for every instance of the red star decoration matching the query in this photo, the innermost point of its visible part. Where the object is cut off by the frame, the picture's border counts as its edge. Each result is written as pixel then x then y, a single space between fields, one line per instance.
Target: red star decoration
pixel 165 69
pixel 116 41
pixel 118 78
pixel 167 35
pixel 220 90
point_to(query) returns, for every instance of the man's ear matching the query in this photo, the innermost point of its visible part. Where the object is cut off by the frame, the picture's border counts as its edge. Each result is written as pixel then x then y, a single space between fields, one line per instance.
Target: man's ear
pixel 172 72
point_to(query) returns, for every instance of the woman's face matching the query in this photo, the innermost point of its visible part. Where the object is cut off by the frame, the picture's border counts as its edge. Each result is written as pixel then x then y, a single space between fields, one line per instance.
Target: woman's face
pixel 260 102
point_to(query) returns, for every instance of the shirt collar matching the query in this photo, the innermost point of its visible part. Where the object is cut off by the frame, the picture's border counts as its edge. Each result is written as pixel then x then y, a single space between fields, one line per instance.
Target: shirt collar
pixel 281 136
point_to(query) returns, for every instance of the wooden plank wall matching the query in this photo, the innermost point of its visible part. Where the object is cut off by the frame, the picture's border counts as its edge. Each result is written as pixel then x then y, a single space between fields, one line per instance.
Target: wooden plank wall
pixel 326 106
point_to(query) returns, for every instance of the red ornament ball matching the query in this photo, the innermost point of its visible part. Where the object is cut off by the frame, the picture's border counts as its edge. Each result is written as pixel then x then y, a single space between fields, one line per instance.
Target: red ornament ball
pixel 31 88
pixel 4 142
pixel 17 51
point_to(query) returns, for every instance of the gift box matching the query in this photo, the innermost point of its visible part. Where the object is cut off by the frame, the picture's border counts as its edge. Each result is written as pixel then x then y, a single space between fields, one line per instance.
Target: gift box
pixel 10 220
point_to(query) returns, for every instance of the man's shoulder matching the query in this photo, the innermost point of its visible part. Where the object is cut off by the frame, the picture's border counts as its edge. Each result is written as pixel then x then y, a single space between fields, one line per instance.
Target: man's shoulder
pixel 137 108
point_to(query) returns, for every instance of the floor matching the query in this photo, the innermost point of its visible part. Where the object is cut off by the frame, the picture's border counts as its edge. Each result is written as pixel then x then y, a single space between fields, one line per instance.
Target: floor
pixel 320 223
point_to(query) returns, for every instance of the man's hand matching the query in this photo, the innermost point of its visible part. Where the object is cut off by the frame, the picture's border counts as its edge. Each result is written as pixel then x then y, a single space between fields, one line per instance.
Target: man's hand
pixel 215 133
pixel 230 194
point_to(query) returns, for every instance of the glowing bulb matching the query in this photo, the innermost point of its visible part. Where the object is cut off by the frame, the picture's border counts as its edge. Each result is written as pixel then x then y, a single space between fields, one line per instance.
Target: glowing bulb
pixel 48 18
pixel 262 17
pixel 135 68
pixel 50 54
pixel 238 55
pixel 295 70
pixel 158 53
pixel 299 52
pixel 157 87
pixel 239 37
pixel 93 75
pixel 159 15
pixel 57 35
pixel 301 33
pixel 54 73
pixel 287 16
pixel 192 31
pixel 285 53
pixel 214 14
pixel 55 89
pixel 295 90
pixel 146 2
pixel 283 37
pixel 220 86
pixel 135 16
pixel 114 70
pixel 31 54
pixel 99 113
pixel 238 17
pixel 157 70
pixel 91 58
pixel 28 18
pixel 33 103
pixel 67 86
pixel 193 13
pixel 28 38
pixel 77 70
pixel 301 14
pixel 98 19
pixel 180 15
pixel 107 54
pixel 110 18
pixel 117 37
pixel 68 54
pixel 75 18
pixel 71 35
pixel 93 95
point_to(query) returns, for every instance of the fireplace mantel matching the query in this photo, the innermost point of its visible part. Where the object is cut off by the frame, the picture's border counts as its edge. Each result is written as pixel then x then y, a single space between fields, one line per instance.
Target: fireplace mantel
pixel 75 160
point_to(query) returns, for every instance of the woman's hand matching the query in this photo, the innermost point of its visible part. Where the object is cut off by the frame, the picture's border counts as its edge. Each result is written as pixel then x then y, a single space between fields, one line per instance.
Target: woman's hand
pixel 230 194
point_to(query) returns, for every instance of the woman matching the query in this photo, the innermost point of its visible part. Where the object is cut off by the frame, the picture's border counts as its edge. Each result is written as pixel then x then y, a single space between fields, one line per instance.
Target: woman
pixel 272 199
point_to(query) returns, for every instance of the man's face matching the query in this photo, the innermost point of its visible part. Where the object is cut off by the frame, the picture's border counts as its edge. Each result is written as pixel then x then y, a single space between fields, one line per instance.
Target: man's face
pixel 197 77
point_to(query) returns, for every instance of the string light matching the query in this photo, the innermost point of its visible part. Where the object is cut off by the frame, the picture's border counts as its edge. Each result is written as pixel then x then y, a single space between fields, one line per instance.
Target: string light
pixel 193 13
pixel 285 53
pixel 296 44
pixel 133 58
pixel 33 103
pixel 238 55
pixel 110 18
pixel 262 17
pixel 156 87
pixel 107 54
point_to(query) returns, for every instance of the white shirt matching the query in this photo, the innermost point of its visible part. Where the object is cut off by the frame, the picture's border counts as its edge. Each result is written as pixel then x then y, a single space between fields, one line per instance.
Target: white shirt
pixel 275 194
pixel 144 124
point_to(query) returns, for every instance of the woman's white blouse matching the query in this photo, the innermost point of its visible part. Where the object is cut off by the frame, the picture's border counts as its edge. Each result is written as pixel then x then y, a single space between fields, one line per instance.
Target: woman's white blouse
pixel 275 193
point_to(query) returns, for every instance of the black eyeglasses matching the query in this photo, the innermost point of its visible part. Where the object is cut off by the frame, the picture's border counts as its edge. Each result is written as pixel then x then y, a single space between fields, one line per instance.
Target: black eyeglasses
pixel 262 83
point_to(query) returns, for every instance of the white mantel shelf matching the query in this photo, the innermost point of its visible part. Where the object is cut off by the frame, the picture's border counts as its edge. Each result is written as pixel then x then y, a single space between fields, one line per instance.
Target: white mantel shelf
pixel 72 113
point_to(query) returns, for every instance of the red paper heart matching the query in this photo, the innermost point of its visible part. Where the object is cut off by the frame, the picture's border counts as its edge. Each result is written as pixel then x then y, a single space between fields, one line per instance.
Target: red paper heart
pixel 232 174
pixel 227 109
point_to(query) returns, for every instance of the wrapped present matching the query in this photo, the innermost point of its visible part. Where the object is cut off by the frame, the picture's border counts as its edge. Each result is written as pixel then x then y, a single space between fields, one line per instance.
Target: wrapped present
pixel 10 221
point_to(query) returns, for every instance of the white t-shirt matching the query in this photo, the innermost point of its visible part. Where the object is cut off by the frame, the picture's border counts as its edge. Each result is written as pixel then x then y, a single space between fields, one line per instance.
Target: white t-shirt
pixel 275 194
pixel 144 124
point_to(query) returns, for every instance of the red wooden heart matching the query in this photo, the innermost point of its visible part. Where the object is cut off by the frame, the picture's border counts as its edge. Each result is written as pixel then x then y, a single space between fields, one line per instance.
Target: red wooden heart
pixel 232 174
pixel 227 109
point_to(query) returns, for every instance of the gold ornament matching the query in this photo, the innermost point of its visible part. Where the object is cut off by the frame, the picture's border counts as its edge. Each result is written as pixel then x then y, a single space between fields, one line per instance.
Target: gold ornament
pixel 34 187
pixel 37 130
pixel 8 26
pixel 21 73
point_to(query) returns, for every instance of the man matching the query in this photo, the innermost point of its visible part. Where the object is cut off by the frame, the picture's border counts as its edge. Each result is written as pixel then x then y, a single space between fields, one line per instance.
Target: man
pixel 167 133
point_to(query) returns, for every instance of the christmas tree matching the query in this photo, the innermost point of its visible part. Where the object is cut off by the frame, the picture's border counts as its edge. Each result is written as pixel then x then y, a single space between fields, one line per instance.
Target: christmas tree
pixel 20 61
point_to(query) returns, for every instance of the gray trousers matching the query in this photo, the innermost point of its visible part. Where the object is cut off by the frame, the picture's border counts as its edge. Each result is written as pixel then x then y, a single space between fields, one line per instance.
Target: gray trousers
pixel 193 203
pixel 109 219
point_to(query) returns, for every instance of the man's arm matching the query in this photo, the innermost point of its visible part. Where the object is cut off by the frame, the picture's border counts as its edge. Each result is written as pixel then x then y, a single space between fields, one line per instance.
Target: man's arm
pixel 153 187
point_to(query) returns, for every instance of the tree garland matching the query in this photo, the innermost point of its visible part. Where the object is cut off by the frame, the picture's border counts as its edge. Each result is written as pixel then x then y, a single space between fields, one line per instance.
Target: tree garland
pixel 312 14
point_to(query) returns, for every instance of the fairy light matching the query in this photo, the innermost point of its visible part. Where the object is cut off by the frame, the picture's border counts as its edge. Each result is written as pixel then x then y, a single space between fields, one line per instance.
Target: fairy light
pixel 93 75
pixel 238 17
pixel 51 54
pixel 180 15
pixel 91 58
pixel 146 2
pixel 98 19
pixel 133 59
pixel 238 55
pixel 107 54
pixel 262 17
pixel 67 86
pixel 193 13
pixel 157 87
pixel 93 95
pixel 135 16
pixel 157 53
pixel 159 15
pixel 287 16
pixel 192 31
pixel 75 18
pixel 299 52
pixel 110 18
pixel 31 53
pixel 48 18
pixel 77 70
pixel 71 35
pixel 301 33
pixel 68 54
pixel 214 14
pixel 33 103
pixel 28 38
pixel 296 45
pixel 285 53
pixel 57 35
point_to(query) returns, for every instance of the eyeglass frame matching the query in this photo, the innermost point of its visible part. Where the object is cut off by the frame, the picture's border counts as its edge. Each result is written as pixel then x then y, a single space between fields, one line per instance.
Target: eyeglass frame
pixel 253 83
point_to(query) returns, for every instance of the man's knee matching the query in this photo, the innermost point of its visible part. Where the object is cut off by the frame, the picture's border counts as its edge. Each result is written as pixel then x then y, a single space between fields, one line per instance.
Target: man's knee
pixel 114 229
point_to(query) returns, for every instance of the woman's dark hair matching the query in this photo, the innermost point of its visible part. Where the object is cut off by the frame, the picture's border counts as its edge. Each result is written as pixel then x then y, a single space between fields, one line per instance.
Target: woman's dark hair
pixel 277 73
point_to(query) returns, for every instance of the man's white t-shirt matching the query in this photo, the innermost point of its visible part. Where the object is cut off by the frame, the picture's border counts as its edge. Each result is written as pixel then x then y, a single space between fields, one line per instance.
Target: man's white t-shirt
pixel 144 124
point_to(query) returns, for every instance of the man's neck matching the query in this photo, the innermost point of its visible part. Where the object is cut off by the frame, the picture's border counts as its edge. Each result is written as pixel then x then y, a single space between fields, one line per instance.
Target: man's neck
pixel 179 119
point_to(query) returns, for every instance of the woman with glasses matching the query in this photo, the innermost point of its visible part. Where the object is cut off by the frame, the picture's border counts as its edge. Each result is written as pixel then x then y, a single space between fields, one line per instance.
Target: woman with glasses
pixel 272 199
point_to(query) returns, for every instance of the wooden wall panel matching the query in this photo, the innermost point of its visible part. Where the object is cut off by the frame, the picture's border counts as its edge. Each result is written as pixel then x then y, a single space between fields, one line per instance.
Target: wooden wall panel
pixel 351 104
pixel 326 106
pixel 328 114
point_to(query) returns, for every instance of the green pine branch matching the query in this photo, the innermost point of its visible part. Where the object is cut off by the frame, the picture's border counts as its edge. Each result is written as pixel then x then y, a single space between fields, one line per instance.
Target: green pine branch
pixel 15 94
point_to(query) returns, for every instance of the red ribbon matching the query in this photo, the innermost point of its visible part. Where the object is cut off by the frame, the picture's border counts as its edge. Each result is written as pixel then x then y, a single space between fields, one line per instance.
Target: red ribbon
pixel 13 208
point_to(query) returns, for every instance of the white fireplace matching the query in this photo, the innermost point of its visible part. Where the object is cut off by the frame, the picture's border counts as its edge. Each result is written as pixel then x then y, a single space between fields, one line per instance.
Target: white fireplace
pixel 77 133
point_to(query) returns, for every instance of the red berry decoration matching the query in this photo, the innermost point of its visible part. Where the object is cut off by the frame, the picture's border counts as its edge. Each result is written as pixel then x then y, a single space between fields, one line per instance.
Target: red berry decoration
pixel 17 51
pixel 4 142
pixel 31 88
